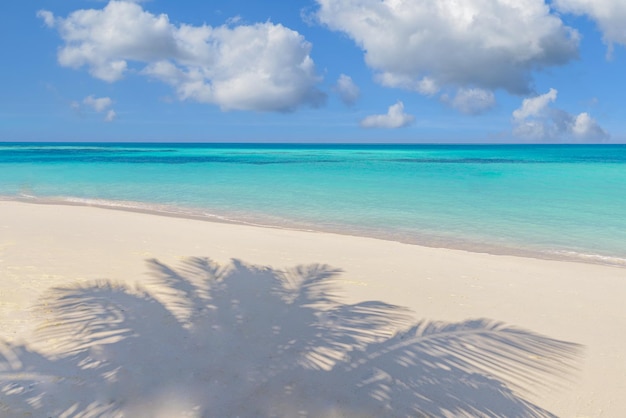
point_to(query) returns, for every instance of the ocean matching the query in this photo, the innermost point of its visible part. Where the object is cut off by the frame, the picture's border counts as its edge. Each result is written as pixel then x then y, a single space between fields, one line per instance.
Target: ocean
pixel 548 201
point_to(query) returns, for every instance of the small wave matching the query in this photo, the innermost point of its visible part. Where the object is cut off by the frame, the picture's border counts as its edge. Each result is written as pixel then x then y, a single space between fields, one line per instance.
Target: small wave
pixel 259 220
pixel 148 208
pixel 591 258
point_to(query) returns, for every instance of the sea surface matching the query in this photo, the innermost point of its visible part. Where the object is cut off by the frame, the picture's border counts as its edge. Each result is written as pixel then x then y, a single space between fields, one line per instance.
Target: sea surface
pixel 550 201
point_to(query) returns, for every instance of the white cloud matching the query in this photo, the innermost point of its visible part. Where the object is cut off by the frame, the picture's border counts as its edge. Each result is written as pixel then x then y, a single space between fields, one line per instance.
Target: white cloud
pixel 535 119
pixel 110 116
pixel 427 45
pixel 610 15
pixel 47 17
pixel 535 106
pixel 471 101
pixel 98 104
pixel 233 20
pixel 263 67
pixel 424 85
pixel 348 91
pixel 395 118
pixel 587 128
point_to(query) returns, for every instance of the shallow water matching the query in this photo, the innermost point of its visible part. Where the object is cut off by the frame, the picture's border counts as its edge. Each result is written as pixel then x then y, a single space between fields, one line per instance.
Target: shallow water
pixel 543 200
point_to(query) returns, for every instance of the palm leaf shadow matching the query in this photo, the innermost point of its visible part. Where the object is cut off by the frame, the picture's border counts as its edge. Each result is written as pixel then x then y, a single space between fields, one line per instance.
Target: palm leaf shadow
pixel 242 340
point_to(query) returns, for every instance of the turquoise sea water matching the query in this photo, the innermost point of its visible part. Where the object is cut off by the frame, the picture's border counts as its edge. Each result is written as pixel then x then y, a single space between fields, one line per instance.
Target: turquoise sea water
pixel 542 200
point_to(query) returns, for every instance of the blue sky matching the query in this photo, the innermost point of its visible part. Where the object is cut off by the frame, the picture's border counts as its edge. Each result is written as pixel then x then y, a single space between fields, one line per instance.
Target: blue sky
pixel 314 71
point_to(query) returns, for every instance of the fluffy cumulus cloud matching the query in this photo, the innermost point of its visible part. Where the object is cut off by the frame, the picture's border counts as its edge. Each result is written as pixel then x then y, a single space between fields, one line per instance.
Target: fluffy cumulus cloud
pixel 261 67
pixel 346 89
pixel 395 118
pixel 537 120
pixel 610 16
pixel 471 101
pixel 427 46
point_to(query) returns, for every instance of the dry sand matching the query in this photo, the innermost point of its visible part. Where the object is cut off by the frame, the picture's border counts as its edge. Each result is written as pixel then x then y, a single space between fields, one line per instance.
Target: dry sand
pixel 107 313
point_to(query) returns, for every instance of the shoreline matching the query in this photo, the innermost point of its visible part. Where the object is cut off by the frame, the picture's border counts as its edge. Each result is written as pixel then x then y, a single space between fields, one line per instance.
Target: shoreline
pixel 201 215
pixel 46 250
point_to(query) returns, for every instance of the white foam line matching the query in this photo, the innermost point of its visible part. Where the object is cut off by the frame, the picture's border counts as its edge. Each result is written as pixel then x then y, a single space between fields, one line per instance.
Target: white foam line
pixel 199 214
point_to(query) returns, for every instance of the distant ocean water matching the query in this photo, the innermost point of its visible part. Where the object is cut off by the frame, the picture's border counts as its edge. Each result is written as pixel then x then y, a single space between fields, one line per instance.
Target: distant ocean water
pixel 553 201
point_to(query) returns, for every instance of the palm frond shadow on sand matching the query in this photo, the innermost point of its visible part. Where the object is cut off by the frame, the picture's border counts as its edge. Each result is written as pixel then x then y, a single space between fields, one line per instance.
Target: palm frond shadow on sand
pixel 248 341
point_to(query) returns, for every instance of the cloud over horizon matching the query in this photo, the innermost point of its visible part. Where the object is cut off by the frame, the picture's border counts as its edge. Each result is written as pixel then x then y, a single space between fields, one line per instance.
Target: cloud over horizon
pixel 259 67
pixel 394 118
pixel 466 57
pixel 536 120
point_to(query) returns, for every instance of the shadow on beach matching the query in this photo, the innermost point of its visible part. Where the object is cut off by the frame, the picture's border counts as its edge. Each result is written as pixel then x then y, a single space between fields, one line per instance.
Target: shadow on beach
pixel 240 340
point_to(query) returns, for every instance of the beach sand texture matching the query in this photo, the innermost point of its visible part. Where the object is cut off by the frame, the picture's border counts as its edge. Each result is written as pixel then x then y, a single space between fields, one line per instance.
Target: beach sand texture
pixel 113 313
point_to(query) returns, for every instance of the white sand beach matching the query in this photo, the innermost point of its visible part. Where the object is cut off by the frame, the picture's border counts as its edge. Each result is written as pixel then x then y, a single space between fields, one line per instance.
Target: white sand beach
pixel 113 313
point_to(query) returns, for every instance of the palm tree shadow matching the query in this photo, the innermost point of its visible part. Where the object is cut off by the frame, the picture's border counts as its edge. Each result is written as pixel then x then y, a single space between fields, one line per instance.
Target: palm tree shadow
pixel 243 341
